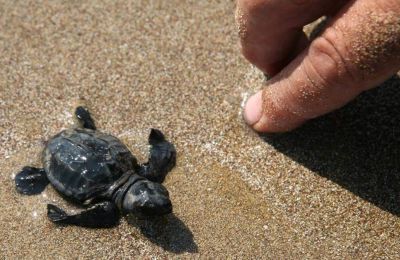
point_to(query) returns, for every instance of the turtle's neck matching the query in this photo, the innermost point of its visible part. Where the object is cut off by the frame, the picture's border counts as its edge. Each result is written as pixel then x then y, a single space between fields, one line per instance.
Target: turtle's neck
pixel 117 191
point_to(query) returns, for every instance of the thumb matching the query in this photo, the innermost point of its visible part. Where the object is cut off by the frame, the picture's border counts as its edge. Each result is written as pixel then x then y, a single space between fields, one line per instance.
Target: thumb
pixel 359 49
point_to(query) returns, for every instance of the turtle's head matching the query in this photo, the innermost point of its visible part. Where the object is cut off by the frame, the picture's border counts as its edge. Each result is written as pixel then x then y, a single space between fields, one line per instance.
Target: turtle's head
pixel 146 198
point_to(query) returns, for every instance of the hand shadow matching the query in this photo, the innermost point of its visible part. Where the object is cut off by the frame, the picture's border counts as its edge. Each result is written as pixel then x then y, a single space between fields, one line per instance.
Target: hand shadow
pixel 358 146
pixel 169 232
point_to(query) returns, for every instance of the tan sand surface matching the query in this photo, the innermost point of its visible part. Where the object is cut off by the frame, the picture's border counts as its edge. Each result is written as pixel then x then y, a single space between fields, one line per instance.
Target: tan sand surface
pixel 328 190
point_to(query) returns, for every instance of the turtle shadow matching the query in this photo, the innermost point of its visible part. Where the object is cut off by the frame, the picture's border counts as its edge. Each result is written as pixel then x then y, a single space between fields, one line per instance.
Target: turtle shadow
pixel 168 232
pixel 357 147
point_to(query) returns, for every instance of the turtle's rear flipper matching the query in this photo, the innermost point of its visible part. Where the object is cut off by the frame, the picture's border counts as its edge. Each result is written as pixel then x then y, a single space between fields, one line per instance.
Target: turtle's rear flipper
pixel 101 215
pixel 161 160
pixel 84 118
pixel 56 214
pixel 31 181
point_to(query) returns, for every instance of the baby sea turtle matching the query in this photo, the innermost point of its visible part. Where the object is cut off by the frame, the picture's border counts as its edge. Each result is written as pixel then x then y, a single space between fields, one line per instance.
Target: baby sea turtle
pixel 98 171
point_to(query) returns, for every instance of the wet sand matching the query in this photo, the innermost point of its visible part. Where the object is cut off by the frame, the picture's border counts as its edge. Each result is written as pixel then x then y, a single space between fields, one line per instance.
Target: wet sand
pixel 328 190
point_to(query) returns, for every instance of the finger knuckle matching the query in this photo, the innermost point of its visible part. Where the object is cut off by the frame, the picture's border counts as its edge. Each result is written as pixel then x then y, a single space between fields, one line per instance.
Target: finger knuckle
pixel 330 59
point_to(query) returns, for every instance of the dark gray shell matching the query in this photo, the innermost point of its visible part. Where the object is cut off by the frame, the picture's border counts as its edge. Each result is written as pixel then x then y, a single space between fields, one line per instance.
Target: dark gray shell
pixel 83 163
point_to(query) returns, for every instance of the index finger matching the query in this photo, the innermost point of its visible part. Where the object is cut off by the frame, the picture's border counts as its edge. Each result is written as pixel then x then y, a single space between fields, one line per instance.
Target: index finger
pixel 271 30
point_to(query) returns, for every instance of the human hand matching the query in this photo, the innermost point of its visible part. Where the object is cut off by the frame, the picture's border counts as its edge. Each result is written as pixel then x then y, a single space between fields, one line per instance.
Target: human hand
pixel 358 49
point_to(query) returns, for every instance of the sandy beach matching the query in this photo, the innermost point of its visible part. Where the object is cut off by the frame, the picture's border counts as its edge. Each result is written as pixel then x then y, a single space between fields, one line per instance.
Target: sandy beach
pixel 329 190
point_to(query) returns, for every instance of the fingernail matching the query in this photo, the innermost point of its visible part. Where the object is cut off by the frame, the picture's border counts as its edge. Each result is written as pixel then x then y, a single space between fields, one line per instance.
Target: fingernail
pixel 253 109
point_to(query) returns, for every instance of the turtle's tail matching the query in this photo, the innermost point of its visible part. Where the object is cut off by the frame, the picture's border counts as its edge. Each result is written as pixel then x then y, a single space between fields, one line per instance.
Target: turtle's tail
pixel 56 214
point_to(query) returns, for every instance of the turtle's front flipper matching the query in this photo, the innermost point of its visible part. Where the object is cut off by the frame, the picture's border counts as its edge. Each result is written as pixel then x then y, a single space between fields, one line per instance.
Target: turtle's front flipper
pixel 84 118
pixel 31 180
pixel 161 160
pixel 101 215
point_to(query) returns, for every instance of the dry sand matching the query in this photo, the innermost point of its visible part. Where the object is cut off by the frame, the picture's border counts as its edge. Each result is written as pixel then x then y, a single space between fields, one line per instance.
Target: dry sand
pixel 328 190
